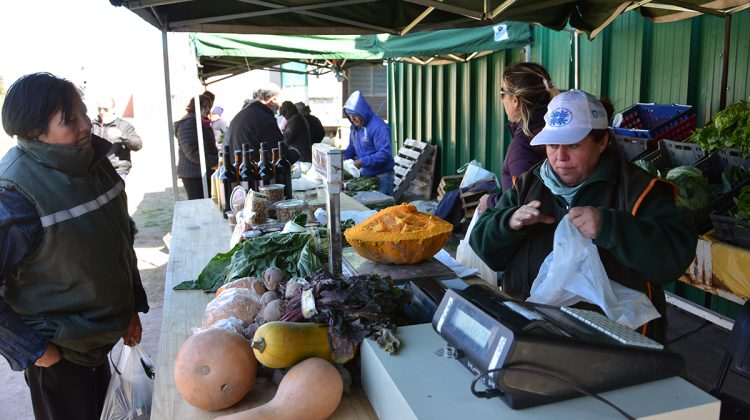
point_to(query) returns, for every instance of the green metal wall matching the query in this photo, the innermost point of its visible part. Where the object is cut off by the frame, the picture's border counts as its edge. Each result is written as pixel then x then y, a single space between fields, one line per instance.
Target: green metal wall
pixel 458 107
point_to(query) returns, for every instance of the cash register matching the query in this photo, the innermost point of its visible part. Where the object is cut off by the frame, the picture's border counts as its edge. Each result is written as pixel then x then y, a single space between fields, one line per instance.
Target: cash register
pixel 531 354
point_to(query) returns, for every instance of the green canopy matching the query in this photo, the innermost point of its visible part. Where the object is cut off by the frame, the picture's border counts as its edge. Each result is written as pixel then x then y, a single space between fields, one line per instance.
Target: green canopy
pixel 398 17
pixel 235 53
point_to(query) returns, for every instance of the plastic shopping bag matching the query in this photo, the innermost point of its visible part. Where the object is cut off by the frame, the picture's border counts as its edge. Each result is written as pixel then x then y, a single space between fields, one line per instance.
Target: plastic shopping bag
pixel 131 387
pixel 351 168
pixel 474 173
pixel 468 258
pixel 573 272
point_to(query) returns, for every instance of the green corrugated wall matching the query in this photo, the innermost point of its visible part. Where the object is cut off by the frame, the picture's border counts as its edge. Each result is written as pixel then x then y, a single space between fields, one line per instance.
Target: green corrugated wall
pixel 458 107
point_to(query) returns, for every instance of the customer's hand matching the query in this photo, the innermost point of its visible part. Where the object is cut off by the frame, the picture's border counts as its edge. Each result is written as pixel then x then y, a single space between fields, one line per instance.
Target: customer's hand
pixel 50 357
pixel 132 335
pixel 588 220
pixel 358 163
pixel 528 214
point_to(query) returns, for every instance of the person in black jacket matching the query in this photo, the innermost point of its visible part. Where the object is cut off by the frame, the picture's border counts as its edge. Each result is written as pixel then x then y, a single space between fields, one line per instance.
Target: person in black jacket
pixel 188 165
pixel 317 132
pixel 117 131
pixel 296 133
pixel 256 122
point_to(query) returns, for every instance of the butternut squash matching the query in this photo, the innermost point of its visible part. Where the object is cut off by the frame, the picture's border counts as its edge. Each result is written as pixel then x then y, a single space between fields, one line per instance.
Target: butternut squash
pixel 214 369
pixel 279 344
pixel 311 390
pixel 399 235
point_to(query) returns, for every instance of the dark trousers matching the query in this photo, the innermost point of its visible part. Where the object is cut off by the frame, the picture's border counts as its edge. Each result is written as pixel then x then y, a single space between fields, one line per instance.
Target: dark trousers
pixel 194 187
pixel 66 390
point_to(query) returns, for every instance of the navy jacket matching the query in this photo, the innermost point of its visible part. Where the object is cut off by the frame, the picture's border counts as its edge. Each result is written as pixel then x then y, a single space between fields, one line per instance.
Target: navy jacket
pixel 371 143
pixel 253 125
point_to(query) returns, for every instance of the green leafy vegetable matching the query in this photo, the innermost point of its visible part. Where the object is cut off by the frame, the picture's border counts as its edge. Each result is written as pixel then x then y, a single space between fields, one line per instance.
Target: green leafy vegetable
pixel 730 130
pixel 647 166
pixel 354 308
pixel 733 176
pixel 362 183
pixel 693 191
pixel 742 212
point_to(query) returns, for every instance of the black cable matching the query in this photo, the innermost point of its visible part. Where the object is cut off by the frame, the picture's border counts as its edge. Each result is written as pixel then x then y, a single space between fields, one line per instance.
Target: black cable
pixel 693 331
pixel 496 392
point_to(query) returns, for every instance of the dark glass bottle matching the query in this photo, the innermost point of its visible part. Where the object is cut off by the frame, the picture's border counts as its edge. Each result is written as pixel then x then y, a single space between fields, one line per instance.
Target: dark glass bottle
pixel 236 165
pixel 265 167
pixel 247 177
pixel 274 159
pixel 228 180
pixel 219 173
pixel 284 171
pixel 256 168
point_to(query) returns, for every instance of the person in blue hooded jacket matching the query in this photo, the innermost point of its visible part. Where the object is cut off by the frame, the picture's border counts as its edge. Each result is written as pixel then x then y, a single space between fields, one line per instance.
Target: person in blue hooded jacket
pixel 369 142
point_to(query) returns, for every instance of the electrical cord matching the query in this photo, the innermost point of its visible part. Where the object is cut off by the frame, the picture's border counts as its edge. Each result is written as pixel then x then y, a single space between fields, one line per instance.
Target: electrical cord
pixel 489 393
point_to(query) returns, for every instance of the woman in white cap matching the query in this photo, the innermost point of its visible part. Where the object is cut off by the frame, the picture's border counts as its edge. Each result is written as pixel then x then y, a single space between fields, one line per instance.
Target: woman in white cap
pixel 643 239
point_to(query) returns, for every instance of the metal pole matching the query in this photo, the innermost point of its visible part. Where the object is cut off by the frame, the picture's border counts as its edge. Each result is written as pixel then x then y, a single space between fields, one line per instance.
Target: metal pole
pixel 725 62
pixel 170 126
pixel 576 59
pixel 201 147
pixel 334 233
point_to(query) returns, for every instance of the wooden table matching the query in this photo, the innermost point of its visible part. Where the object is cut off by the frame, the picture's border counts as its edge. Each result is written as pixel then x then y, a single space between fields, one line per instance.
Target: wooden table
pixel 198 233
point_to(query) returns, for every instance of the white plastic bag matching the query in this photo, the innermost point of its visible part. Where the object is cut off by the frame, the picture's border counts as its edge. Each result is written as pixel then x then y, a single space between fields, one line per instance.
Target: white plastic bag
pixel 350 167
pixel 468 258
pixel 474 173
pixel 573 272
pixel 131 386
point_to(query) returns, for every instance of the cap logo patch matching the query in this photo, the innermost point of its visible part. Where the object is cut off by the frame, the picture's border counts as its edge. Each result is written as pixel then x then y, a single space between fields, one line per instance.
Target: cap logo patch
pixel 560 117
pixel 595 113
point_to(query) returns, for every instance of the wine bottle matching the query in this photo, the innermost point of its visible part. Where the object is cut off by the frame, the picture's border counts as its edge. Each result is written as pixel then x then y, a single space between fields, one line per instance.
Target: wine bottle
pixel 245 169
pixel 228 181
pixel 219 173
pixel 265 168
pixel 284 171
pixel 256 168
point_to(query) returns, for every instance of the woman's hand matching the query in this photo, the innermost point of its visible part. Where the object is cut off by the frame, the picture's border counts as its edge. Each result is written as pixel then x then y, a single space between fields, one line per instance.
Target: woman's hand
pixel 132 335
pixel 50 357
pixel 358 163
pixel 588 220
pixel 528 214
pixel 482 206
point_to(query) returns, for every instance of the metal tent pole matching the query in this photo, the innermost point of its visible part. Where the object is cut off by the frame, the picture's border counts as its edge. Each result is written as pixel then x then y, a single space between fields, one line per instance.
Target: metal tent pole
pixel 170 127
pixel 201 146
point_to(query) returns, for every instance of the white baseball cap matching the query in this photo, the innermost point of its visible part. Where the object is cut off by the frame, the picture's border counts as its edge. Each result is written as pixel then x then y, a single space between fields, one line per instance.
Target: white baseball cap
pixel 570 117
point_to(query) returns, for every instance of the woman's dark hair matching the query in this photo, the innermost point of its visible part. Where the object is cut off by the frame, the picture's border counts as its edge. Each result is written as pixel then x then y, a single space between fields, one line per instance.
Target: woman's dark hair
pixel 599 134
pixel 288 110
pixel 532 85
pixel 205 103
pixel 33 99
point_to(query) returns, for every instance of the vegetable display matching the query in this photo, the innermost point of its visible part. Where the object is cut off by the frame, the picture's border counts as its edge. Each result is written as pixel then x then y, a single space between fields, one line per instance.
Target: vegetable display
pixel 730 130
pixel 363 183
pixel 399 235
pixel 693 191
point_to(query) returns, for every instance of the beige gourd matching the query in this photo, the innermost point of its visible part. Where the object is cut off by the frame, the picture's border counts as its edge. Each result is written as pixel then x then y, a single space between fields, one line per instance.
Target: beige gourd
pixel 311 390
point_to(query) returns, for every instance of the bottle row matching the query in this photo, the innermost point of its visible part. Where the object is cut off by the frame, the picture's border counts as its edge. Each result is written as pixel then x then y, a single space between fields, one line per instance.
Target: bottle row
pixel 251 170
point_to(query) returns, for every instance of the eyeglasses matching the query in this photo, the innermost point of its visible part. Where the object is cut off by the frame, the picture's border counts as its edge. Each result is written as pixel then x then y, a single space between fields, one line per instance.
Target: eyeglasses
pixel 103 109
pixel 504 92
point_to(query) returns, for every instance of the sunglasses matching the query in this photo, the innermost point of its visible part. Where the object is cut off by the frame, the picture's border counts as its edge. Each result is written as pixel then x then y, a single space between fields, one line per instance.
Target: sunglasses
pixel 103 109
pixel 504 92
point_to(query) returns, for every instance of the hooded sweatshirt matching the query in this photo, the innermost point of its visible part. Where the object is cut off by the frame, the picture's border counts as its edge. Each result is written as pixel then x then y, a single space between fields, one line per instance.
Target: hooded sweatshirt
pixel 370 143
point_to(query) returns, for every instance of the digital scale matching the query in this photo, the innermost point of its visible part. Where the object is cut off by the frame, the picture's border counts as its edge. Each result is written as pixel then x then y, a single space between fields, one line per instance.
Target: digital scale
pixel 533 343
pixel 328 161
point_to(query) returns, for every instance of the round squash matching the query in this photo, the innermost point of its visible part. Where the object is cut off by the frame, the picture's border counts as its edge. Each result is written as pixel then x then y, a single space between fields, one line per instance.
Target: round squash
pixel 399 235
pixel 311 390
pixel 280 344
pixel 214 369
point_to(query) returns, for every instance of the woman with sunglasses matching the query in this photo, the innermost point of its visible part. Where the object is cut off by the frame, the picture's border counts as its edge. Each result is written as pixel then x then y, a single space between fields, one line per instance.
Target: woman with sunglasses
pixel 526 90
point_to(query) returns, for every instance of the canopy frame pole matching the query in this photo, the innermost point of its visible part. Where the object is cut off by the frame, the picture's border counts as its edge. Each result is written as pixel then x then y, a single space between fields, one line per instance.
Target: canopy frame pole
pixel 199 130
pixel 576 60
pixel 473 14
pixel 170 126
pixel 418 19
pixel 725 62
pixel 499 9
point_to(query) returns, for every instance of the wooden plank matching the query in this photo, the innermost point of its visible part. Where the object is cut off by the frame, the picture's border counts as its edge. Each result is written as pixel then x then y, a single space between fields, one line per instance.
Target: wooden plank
pixel 406 163
pixel 415 144
pixel 409 153
pixel 400 171
pixel 198 233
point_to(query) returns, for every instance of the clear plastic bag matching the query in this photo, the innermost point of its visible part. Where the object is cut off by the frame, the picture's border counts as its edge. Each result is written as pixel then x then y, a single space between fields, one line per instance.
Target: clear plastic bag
pixel 474 173
pixel 131 387
pixel 573 272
